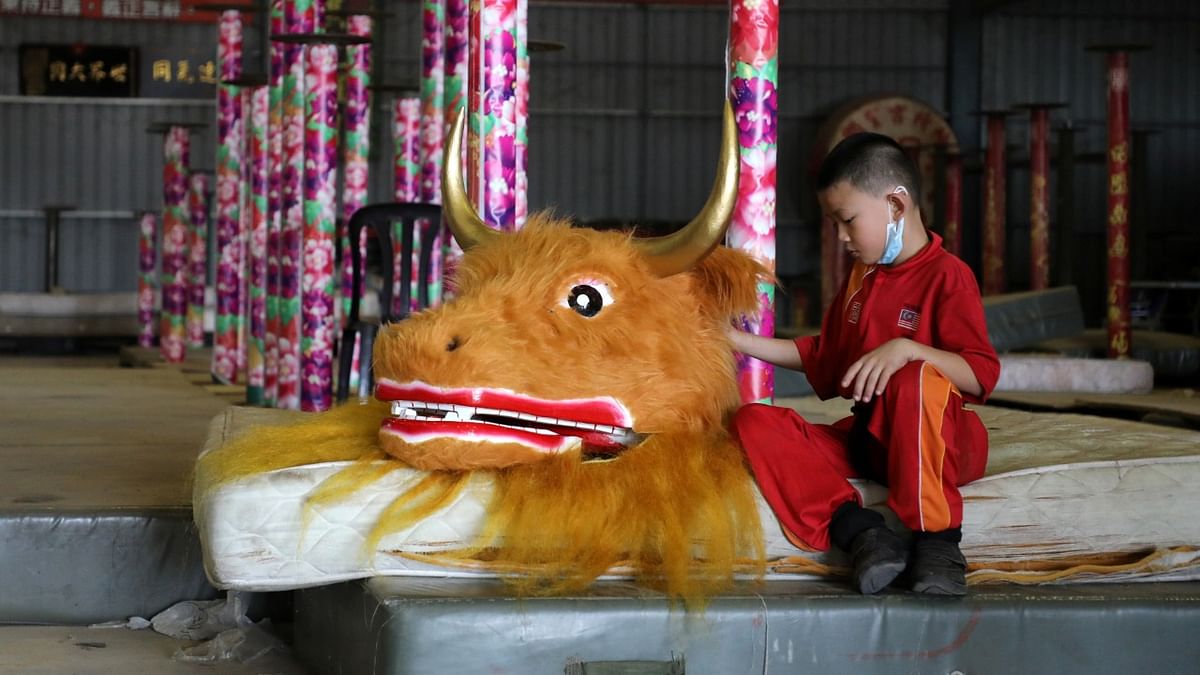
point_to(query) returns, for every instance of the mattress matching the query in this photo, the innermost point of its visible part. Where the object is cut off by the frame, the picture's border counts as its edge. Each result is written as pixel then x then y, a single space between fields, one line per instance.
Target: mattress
pixel 1065 498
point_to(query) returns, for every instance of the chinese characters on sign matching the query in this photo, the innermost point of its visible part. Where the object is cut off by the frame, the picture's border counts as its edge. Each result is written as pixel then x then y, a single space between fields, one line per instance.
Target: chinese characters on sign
pixel 78 70
pixel 182 71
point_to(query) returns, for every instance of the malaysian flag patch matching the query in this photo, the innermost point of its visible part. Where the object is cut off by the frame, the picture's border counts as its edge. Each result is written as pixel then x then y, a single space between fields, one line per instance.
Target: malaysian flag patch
pixel 909 318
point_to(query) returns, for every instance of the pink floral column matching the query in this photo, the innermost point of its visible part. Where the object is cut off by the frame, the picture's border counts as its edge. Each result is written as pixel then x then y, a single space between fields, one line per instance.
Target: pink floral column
pixel 227 334
pixel 147 279
pixel 172 331
pixel 521 137
pixel 256 113
pixel 300 16
pixel 457 39
pixel 275 211
pixel 433 131
pixel 356 148
pixel 197 266
pixel 406 134
pixel 491 136
pixel 320 196
pixel 754 72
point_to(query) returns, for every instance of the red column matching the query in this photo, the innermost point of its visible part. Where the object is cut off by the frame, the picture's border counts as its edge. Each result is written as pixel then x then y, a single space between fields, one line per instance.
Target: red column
pixel 1039 180
pixel 953 227
pixel 1119 332
pixel 994 206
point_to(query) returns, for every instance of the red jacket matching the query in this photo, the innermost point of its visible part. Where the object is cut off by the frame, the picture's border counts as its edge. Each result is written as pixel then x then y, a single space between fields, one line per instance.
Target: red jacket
pixel 931 298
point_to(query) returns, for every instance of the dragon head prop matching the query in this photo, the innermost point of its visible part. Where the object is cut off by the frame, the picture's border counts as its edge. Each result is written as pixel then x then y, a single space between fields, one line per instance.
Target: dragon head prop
pixel 589 374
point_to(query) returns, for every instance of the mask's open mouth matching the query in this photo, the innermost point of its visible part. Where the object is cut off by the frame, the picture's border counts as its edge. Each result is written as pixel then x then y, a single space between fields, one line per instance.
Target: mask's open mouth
pixel 422 412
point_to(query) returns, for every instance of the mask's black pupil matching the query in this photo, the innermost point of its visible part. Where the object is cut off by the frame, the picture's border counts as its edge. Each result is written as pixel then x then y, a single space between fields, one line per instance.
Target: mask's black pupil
pixel 585 300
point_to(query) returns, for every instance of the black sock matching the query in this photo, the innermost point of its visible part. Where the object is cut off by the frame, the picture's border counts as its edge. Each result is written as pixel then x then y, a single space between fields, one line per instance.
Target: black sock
pixel 849 520
pixel 953 535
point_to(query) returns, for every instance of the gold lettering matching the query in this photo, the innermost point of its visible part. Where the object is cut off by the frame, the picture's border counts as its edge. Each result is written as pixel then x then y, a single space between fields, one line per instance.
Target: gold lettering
pixel 1119 153
pixel 58 71
pixel 118 73
pixel 1118 216
pixel 97 71
pixel 77 72
pixel 1117 184
pixel 183 71
pixel 1118 249
pixel 161 70
pixel 208 72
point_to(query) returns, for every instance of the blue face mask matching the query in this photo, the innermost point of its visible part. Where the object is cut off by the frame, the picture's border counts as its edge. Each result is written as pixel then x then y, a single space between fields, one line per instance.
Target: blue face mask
pixel 895 236
pixel 895 239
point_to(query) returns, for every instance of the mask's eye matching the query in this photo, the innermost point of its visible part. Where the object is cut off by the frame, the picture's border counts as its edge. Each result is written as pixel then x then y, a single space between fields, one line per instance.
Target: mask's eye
pixel 588 298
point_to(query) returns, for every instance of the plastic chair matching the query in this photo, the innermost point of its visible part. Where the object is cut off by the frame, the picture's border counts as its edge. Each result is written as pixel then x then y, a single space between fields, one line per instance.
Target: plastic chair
pixel 380 217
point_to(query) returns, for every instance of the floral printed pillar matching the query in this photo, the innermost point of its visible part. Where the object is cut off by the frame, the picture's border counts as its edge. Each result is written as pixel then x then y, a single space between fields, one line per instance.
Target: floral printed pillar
pixel 256 114
pixel 197 265
pixel 172 330
pixel 521 138
pixel 433 131
pixel 299 16
pixel 227 334
pixel 147 279
pixel 491 92
pixel 320 197
pixel 356 147
pixel 457 39
pixel 406 134
pixel 754 75
pixel 1120 334
pixel 355 162
pixel 275 121
pixel 994 206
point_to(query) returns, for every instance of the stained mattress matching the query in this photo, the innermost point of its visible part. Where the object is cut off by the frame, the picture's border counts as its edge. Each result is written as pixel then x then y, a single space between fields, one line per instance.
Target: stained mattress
pixel 1065 498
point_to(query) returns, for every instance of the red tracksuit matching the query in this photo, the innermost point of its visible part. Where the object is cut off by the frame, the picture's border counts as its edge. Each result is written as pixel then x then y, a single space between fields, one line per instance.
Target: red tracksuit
pixel 922 444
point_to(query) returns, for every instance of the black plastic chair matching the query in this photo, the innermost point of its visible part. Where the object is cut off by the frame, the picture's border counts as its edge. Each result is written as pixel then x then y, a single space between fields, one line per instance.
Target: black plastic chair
pixel 380 217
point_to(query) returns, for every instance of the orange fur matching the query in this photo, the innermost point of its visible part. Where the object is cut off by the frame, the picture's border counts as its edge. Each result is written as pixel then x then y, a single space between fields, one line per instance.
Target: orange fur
pixel 679 508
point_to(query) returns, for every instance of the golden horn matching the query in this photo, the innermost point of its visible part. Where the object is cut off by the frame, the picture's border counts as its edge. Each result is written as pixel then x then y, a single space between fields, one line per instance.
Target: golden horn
pixel 679 251
pixel 457 210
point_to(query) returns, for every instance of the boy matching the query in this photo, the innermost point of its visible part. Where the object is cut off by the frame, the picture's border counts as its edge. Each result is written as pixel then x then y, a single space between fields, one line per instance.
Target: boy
pixel 906 340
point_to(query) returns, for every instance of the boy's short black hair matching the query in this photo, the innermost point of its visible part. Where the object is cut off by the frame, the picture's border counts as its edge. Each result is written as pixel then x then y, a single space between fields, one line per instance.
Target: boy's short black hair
pixel 873 163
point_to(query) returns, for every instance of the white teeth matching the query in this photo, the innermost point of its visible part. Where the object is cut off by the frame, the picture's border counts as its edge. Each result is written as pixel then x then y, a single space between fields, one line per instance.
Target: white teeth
pixel 451 412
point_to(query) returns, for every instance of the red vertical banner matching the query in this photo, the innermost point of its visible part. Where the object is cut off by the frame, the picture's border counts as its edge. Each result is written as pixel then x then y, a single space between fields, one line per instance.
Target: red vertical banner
pixel 1039 210
pixel 1119 332
pixel 953 228
pixel 994 207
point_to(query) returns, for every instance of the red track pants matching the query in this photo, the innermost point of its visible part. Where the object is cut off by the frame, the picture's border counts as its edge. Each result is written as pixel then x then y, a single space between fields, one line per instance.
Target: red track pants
pixel 922 444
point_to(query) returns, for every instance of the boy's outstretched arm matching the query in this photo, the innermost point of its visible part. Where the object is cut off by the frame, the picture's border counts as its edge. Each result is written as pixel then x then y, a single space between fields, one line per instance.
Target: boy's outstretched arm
pixel 776 351
pixel 868 376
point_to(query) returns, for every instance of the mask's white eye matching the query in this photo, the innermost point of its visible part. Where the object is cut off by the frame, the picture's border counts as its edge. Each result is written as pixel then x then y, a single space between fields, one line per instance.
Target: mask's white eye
pixel 588 297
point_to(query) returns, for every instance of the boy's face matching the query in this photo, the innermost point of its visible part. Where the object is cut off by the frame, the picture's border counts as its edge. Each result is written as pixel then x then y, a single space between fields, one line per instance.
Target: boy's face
pixel 860 219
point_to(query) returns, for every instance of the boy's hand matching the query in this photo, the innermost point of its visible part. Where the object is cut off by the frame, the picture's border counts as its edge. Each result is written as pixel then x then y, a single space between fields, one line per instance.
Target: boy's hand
pixel 868 376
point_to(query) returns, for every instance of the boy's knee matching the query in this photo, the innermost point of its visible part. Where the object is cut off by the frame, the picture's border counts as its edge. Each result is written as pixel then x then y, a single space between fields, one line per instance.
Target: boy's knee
pixel 751 414
pixel 912 373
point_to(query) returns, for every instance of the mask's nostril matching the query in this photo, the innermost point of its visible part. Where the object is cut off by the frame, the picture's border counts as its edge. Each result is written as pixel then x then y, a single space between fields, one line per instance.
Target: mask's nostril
pixel 453 344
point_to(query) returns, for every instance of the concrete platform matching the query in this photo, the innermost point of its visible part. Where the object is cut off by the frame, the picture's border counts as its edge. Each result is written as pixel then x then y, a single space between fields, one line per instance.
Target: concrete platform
pixel 95 492
pixel 56 650
pixel 401 626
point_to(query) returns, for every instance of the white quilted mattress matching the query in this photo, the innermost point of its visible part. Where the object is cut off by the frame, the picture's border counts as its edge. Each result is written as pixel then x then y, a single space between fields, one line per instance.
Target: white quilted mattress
pixel 1058 486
